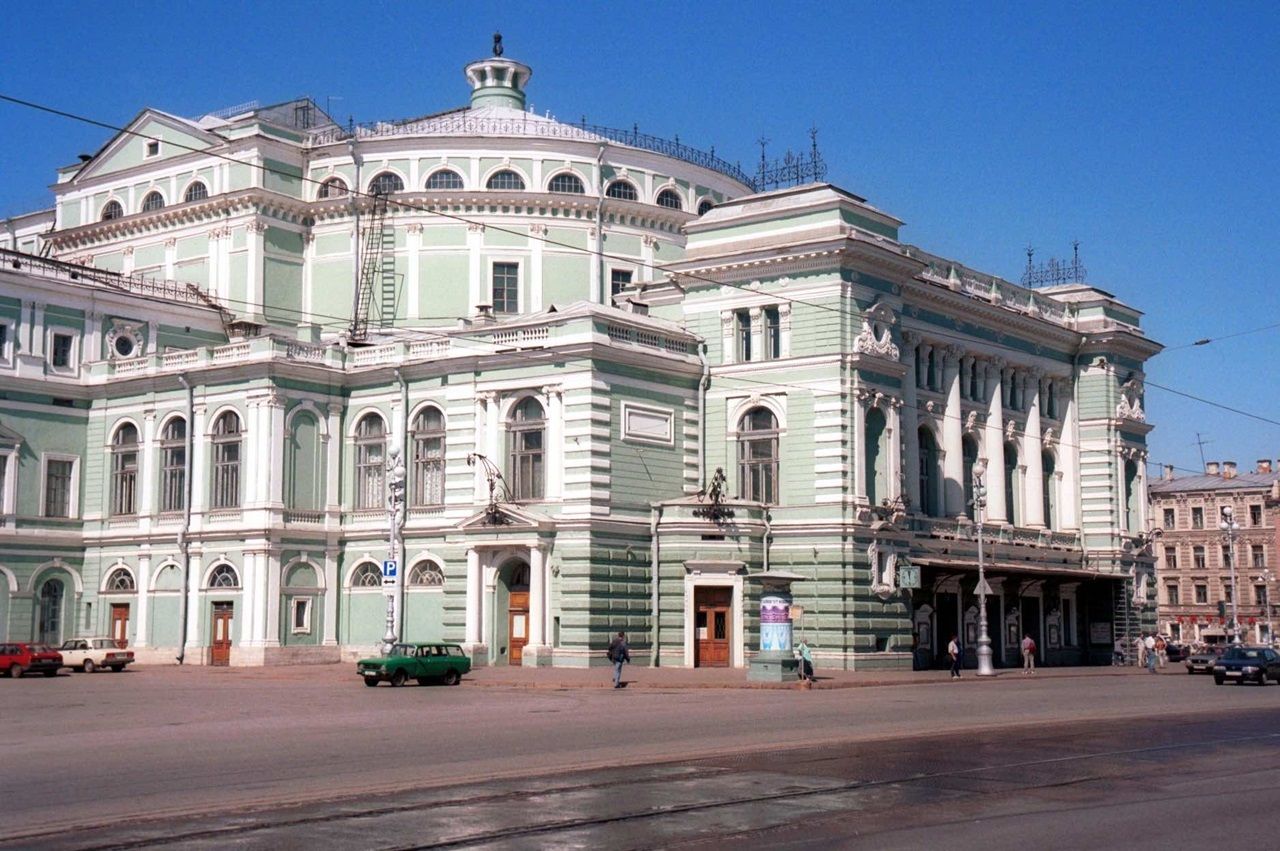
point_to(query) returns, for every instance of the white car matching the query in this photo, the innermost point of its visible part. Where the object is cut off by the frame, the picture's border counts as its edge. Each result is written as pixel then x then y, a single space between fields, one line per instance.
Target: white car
pixel 89 654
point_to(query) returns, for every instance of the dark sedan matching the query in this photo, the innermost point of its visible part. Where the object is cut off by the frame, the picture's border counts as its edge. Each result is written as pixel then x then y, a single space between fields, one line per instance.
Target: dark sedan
pixel 1248 665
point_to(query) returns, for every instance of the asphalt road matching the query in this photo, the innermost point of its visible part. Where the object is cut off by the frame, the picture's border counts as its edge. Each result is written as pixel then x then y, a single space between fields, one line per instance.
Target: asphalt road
pixel 311 758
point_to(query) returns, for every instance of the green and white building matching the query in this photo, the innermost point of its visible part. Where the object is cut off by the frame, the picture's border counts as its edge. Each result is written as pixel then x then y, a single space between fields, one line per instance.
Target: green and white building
pixel 223 329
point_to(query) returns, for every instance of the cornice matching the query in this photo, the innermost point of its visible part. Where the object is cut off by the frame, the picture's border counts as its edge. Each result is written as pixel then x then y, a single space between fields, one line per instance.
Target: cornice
pixel 989 315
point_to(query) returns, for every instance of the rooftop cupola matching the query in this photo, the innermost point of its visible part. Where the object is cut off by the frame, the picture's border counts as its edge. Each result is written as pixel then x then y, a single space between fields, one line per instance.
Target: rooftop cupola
pixel 496 81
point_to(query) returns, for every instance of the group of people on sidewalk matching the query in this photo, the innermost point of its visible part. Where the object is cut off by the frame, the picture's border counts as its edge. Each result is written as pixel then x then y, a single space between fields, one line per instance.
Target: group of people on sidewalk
pixel 956 651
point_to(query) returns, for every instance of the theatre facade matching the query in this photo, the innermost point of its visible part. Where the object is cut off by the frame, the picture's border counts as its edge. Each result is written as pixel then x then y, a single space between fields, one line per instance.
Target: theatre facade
pixel 623 383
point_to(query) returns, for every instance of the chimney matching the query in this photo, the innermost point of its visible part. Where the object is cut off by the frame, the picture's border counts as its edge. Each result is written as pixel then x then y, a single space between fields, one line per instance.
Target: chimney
pixel 1168 473
pixel 1264 465
pixel 1228 469
pixel 1211 468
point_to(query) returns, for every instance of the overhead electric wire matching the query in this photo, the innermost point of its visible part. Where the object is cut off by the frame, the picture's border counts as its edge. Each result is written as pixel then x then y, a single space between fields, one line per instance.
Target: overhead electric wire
pixel 354 193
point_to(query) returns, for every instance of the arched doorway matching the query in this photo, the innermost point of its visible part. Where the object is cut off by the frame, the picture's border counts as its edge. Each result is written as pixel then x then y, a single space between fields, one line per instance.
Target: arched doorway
pixel 515 581
pixel 50 624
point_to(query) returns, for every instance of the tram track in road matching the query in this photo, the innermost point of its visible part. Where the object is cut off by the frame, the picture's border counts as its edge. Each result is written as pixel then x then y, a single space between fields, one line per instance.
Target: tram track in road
pixel 730 790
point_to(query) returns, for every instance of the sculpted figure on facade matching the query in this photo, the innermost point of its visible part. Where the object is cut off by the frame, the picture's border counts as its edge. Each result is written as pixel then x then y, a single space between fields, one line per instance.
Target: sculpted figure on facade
pixel 876 338
pixel 1130 405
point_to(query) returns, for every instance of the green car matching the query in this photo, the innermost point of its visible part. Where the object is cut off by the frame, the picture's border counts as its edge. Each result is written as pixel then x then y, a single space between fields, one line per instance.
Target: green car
pixel 423 662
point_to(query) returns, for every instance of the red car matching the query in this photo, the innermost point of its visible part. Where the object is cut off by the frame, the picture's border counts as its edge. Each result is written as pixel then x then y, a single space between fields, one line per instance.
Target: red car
pixel 19 657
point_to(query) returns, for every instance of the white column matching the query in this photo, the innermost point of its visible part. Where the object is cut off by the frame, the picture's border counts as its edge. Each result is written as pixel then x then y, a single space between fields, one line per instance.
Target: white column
pixel 479 445
pixel 784 329
pixel 252 625
pixel 953 436
pixel 170 257
pixel 413 245
pixel 647 246
pixel 1069 461
pixel 273 417
pixel 493 438
pixel 555 442
pixel 199 462
pixel 253 266
pixel 194 575
pixel 474 591
pixel 757 335
pixel 147 465
pixel 269 562
pixel 595 234
pixel 537 598
pixel 893 445
pixel 910 423
pixel 1033 487
pixel 728 336
pixel 308 278
pixel 537 233
pixel 332 591
pixel 858 446
pixel 993 444
pixel 142 620
pixel 333 459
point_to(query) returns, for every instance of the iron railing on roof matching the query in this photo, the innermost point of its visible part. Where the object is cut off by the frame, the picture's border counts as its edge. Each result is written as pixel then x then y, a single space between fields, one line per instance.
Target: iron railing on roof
pixel 531 125
pixel 136 284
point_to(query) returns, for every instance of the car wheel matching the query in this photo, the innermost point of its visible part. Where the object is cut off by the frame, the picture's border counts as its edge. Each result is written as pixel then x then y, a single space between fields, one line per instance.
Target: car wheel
pixel 371 681
pixel 399 678
pixel 117 668
pixel 88 666
pixel 1189 671
pixel 1217 681
pixel 15 670
pixel 452 677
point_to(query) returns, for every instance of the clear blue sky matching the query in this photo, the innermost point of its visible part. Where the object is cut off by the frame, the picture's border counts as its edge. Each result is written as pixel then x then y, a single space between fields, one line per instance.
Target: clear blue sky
pixel 1147 131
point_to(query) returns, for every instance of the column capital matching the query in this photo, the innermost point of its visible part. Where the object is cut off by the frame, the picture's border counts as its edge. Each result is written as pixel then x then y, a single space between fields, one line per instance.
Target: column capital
pixel 952 355
pixel 911 338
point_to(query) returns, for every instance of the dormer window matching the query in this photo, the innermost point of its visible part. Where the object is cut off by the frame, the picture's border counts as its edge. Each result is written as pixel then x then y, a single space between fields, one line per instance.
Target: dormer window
pixel 153 148
pixel 670 199
pixel 154 201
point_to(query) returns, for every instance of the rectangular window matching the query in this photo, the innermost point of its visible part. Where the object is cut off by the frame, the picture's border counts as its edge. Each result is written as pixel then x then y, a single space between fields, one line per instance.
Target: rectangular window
pixel 506 287
pixel 1227 592
pixel 1258 556
pixel 1260 595
pixel 743 324
pixel 1202 594
pixel 226 474
pixel 1171 594
pixel 153 148
pixel 173 478
pixel 1197 558
pixel 527 463
pixel 124 482
pixel 60 351
pixel 1226 555
pixel 1255 515
pixel 301 615
pixel 4 342
pixel 1197 518
pixel 1171 558
pixel 1169 518
pixel 57 488
pixel 619 280
pixel 772 333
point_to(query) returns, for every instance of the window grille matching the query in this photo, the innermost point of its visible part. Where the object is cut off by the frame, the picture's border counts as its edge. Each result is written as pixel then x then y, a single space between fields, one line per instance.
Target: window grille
pixel 57 488
pixel 112 210
pixel 622 190
pixel 154 201
pixel 224 576
pixel 568 184
pixel 426 575
pixel 386 183
pixel 366 576
pixel 332 188
pixel 196 192
pixel 121 580
pixel 670 199
pixel 173 466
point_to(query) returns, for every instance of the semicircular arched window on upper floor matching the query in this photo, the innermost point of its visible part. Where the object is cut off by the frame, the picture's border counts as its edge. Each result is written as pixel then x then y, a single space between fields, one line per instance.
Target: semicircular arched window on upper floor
pixel 197 191
pixel 567 184
pixel 505 179
pixel 333 187
pixel 445 178
pixel 671 199
pixel 623 190
pixel 386 183
pixel 112 210
pixel 153 201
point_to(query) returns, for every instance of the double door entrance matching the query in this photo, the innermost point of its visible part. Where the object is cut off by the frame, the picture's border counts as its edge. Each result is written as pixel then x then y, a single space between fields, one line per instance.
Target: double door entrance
pixel 220 648
pixel 712 627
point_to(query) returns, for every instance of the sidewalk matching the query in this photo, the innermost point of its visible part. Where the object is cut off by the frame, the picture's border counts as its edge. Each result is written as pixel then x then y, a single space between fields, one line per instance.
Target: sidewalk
pixel 641 677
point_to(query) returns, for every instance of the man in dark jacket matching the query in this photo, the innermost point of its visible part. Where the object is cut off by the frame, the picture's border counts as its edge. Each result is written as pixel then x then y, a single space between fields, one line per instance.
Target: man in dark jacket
pixel 619 653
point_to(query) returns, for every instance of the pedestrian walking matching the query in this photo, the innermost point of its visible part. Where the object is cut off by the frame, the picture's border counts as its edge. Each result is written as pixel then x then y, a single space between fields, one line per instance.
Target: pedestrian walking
pixel 1149 645
pixel 954 650
pixel 1117 652
pixel 619 654
pixel 1028 654
pixel 1140 650
pixel 1162 651
pixel 806 661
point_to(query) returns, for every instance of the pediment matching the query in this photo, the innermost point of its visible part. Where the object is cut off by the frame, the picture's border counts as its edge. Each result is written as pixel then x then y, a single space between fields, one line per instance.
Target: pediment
pixel 507 518
pixel 128 148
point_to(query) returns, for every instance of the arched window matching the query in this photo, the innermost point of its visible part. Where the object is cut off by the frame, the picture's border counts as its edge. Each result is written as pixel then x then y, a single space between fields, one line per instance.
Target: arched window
pixel 386 183
pixel 877 474
pixel 706 206
pixel 426 574
pixel 1049 465
pixel 428 458
pixel 568 184
pixel 445 178
pixel 1012 485
pixel 371 447
pixel 930 480
pixel 334 187
pixel 124 470
pixel 671 199
pixel 224 576
pixel 50 626
pixel 623 190
pixel 526 439
pixel 112 210
pixel 196 192
pixel 121 581
pixel 173 465
pixel 505 179
pixel 970 453
pixel 366 576
pixel 758 456
pixel 226 460
pixel 153 201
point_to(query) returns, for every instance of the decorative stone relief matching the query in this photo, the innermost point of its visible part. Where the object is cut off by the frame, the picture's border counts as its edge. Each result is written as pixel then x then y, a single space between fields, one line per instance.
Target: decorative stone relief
pixel 876 337
pixel 884 569
pixel 125 340
pixel 1130 406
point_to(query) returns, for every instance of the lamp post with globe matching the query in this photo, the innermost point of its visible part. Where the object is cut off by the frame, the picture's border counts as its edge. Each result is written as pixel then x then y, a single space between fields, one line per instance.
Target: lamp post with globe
pixel 1229 528
pixel 979 501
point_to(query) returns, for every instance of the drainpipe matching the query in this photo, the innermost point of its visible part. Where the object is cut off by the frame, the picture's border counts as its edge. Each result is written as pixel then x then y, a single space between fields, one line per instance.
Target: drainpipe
pixel 654 562
pixel 404 456
pixel 702 415
pixel 603 284
pixel 184 545
pixel 355 214
pixel 768 536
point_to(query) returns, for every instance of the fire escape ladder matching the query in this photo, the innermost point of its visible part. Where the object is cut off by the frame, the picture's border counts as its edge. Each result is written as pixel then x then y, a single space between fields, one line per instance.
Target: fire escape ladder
pixel 389 279
pixel 371 256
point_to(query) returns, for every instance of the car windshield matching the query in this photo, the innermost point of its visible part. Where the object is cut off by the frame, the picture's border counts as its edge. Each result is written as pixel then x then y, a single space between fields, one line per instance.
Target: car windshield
pixel 1243 653
pixel 402 650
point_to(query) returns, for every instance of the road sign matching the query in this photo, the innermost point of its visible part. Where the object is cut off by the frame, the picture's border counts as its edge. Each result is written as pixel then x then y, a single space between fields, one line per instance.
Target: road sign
pixel 908 576
pixel 984 588
pixel 389 569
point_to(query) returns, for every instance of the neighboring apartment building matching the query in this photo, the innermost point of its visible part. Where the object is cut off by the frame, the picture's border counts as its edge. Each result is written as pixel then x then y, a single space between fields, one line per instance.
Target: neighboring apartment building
pixel 243 317
pixel 1196 586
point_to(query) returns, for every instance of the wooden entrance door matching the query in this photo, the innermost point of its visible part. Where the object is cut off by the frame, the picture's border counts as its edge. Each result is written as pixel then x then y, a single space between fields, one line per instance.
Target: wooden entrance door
pixel 712 626
pixel 518 627
pixel 120 623
pixel 222 615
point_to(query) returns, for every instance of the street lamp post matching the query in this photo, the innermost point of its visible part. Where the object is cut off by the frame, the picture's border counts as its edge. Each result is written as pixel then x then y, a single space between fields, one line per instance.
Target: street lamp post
pixel 395 518
pixel 985 668
pixel 1229 528
pixel 1265 579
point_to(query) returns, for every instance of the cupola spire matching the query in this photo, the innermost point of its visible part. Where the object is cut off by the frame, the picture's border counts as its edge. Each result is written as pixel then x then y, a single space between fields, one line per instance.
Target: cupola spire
pixel 496 81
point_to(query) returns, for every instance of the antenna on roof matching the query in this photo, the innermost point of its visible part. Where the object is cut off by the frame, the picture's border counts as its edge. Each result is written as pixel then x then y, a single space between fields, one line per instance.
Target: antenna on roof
pixel 1201 442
